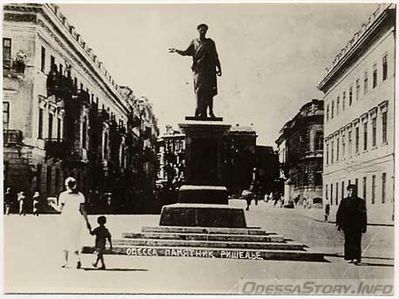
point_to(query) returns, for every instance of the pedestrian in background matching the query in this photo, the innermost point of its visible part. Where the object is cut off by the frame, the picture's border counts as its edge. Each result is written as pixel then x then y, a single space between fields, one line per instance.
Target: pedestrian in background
pixel 352 219
pixel 35 203
pixel 22 203
pixel 8 201
pixel 102 235
pixel 326 212
pixel 247 194
pixel 73 212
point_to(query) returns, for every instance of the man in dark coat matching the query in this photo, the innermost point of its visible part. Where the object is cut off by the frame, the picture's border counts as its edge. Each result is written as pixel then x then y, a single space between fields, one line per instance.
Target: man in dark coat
pixel 352 219
pixel 206 66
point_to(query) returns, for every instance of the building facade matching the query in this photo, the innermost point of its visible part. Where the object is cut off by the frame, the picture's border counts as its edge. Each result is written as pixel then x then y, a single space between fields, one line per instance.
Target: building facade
pixel 63 113
pixel 359 95
pixel 300 150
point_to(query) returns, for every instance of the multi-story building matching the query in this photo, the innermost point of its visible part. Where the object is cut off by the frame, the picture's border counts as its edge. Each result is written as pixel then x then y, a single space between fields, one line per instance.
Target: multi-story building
pixel 63 113
pixel 239 157
pixel 171 156
pixel 359 95
pixel 267 170
pixel 300 150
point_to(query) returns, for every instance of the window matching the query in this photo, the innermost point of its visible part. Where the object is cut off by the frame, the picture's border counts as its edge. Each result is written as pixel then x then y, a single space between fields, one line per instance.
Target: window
pixel 332 110
pixel 357 89
pixel 61 69
pixel 50 126
pixel 328 112
pixel 384 67
pixel 366 82
pixel 319 141
pixel 52 61
pixel 365 136
pixel 373 189
pixel 331 191
pixel 343 146
pixel 6 115
pixel 374 75
pixel 350 143
pixel 75 82
pixel 307 140
pixel 81 86
pixel 327 152
pixel 383 184
pixel 332 151
pixel 350 95
pixel 357 184
pixel 357 140
pixel 58 129
pixel 40 129
pixel 43 61
pixel 374 131
pixel 336 193
pixel 337 105
pixel 364 187
pixel 7 52
pixel 384 127
pixel 337 149
pixel 343 100
pixel 342 190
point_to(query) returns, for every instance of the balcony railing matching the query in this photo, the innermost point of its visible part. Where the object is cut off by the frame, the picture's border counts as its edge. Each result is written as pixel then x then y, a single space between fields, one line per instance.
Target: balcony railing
pixel 59 85
pixel 56 148
pixel 83 97
pixel 11 137
pixel 13 67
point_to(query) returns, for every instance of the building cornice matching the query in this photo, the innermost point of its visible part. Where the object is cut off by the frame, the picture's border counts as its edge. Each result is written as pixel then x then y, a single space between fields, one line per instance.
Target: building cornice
pixel 356 46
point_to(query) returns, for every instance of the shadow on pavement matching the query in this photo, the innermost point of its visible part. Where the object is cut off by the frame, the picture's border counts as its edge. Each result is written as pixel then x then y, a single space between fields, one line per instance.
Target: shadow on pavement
pixel 115 269
pixel 363 257
pixel 375 265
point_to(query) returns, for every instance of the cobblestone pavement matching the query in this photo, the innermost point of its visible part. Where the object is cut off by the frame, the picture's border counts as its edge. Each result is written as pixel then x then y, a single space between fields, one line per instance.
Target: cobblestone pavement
pixel 32 258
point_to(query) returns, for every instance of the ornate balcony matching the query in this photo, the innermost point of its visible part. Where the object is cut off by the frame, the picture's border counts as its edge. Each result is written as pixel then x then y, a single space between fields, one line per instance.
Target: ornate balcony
pixel 82 97
pixel 60 86
pixel 56 148
pixel 12 137
pixel 13 68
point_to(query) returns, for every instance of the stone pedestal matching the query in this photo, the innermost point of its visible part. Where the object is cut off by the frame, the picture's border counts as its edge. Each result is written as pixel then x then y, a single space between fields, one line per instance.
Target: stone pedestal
pixel 204 162
pixel 203 215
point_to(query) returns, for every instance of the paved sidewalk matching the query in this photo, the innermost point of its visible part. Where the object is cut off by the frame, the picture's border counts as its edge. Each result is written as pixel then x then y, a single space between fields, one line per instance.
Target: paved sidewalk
pixel 33 258
pixel 377 215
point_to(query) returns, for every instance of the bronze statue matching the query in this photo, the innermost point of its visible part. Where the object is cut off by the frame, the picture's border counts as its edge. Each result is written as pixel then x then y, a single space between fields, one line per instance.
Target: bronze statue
pixel 206 66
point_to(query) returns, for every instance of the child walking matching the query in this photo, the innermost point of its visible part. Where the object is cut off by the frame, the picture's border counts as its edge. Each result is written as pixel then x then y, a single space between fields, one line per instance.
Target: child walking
pixel 102 234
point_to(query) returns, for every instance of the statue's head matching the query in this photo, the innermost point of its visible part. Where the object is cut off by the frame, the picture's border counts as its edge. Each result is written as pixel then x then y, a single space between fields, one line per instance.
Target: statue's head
pixel 202 29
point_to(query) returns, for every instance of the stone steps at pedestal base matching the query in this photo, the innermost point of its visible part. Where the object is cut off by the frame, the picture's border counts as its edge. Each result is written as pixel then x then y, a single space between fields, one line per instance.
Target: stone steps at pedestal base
pixel 210 244
pixel 205 230
pixel 201 252
pixel 205 237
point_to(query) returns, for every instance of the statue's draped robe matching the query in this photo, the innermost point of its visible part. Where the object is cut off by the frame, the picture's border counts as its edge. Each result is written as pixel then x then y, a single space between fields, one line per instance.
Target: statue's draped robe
pixel 205 59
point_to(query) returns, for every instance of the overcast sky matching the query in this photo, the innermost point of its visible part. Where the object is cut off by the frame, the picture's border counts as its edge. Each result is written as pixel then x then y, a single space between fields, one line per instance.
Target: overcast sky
pixel 272 55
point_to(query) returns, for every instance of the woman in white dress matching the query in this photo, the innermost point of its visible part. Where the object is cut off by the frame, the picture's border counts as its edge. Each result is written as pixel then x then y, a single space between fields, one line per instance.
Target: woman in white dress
pixel 73 215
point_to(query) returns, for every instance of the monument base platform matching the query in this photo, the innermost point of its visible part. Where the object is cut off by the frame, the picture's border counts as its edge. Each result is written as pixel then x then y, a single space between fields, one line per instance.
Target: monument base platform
pixel 204 118
pixel 205 215
pixel 203 194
